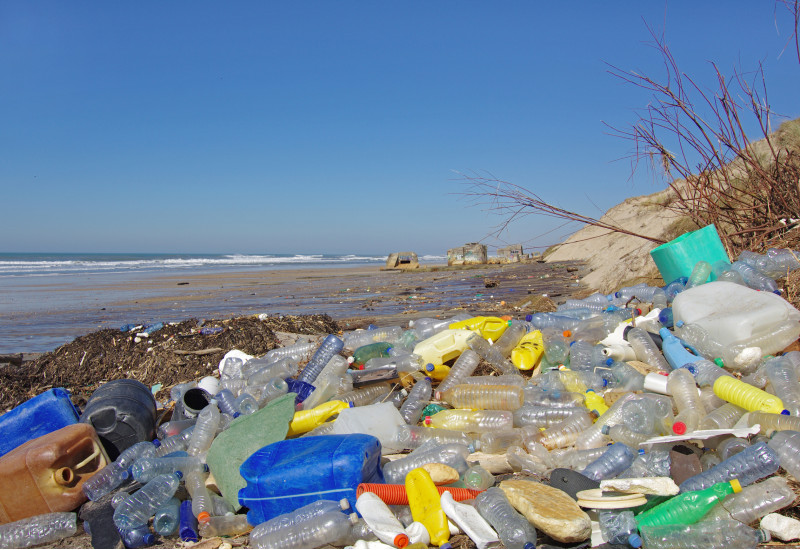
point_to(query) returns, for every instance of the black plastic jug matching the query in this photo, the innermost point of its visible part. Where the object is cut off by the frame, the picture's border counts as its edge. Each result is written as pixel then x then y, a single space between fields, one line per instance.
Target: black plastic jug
pixel 122 412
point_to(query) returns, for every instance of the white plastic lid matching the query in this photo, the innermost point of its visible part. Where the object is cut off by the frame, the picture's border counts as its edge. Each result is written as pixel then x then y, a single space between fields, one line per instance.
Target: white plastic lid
pixel 656 383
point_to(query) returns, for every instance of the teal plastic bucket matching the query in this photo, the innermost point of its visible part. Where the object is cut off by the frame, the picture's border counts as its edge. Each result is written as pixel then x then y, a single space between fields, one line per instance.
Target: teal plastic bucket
pixel 678 257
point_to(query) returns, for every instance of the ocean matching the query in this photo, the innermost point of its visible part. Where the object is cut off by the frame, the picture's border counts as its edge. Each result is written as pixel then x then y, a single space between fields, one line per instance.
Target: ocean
pixel 47 300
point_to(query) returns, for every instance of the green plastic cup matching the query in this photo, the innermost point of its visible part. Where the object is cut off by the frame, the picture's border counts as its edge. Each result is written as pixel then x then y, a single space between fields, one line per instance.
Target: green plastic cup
pixel 678 257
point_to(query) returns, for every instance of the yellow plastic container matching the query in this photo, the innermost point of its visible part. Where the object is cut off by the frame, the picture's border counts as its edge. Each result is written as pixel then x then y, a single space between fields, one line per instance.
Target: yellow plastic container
pixel 746 396
pixel 529 351
pixel 572 381
pixel 443 346
pixel 594 402
pixel 305 421
pixel 490 328
pixel 438 372
pixel 426 506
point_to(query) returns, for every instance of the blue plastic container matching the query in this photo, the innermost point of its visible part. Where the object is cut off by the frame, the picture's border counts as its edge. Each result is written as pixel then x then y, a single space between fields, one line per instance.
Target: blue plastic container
pixel 289 474
pixel 38 416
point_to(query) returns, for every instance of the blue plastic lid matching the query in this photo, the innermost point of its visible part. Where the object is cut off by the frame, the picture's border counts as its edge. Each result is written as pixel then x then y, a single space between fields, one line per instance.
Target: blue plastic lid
pixel 430 367
pixel 785 412
pixel 529 545
pixel 635 540
pixel 609 361
pixel 156 443
pixel 148 539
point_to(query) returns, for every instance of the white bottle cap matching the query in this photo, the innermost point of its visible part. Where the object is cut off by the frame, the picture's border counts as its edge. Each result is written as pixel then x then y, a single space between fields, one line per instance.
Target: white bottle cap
pixel 656 383
pixel 210 384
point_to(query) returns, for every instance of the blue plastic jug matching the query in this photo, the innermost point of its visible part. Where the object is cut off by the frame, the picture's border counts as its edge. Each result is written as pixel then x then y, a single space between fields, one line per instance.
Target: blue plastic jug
pixel 38 416
pixel 289 474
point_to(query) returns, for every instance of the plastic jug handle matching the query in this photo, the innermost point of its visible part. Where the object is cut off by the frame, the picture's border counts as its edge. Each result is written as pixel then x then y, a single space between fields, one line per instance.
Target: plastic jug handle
pixel 96 451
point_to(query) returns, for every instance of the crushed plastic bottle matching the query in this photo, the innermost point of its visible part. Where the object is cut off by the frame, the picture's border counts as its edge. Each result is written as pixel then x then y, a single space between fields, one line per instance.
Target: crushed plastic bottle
pixel 41 529
pixel 706 534
pixel 750 465
pixel 617 458
pixel 328 528
pixel 513 529
pixel 139 507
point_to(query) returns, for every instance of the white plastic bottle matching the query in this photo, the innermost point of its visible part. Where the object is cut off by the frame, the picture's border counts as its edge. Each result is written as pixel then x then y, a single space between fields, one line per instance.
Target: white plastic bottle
pixel 381 520
pixel 469 520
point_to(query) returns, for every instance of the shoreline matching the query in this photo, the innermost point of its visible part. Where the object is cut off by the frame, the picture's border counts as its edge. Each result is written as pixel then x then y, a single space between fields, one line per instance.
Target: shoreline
pixel 349 294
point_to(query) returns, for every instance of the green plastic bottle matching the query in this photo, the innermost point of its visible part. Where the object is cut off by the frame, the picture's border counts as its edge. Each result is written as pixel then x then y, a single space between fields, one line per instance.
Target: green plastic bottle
pixel 370 351
pixel 688 508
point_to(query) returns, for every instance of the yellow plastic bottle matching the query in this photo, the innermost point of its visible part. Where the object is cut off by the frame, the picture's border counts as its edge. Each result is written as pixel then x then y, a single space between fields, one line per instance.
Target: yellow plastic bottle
pixel 529 351
pixel 594 402
pixel 426 507
pixel 437 372
pixel 488 327
pixel 305 421
pixel 443 346
pixel 746 396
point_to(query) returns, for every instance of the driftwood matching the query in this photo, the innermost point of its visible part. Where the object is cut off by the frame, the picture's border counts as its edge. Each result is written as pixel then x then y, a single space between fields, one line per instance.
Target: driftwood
pixel 207 351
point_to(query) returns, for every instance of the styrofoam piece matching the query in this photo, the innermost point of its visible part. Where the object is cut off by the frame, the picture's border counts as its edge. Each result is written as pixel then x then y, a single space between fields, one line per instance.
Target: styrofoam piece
pixel 663 486
pixel 781 527
pixel 602 500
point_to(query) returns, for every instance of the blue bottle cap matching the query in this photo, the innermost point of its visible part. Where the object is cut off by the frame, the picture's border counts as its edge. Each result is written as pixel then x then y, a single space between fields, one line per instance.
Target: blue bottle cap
pixel 156 443
pixel 785 412
pixel 635 540
pixel 529 317
pixel 430 367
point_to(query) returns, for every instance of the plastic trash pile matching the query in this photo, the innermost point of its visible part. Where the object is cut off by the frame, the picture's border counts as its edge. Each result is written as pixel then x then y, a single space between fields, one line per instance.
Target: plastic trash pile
pixel 655 417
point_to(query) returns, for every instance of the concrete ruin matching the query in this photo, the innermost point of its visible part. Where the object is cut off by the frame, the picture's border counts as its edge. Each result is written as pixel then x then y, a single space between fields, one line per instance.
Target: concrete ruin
pixel 470 253
pixel 402 260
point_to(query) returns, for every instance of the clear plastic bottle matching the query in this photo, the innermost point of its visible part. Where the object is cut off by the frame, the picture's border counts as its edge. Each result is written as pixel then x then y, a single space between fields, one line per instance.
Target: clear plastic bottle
pixel 464 366
pixel 202 506
pixel 706 372
pixel 624 376
pixel 139 507
pixel 167 517
pixel 575 459
pixel 786 386
pixel 471 421
pixel 618 527
pixel 226 402
pixel 225 526
pixel 688 507
pixel 786 444
pixel 451 454
pixel 282 368
pixel 785 259
pixel 620 433
pixel 301 351
pixel 491 354
pixel 412 437
pixel 617 458
pixel 563 434
pixel 114 474
pixel 724 417
pixel 646 350
pixel 364 396
pixel 41 529
pixel 487 397
pixel 514 530
pixel 272 389
pixel 329 528
pixel 418 397
pixel 556 347
pixel 746 396
pixel 763 263
pixel 585 355
pixel 204 430
pixel 145 469
pixel 649 414
pixel 499 380
pixel 754 502
pixel 755 462
pixel 542 416
pixel 705 534
pixel 174 443
pixel 329 347
pixel 535 395
pixel 477 477
pixel 138 537
pixel 428 326
pixel 729 446
pixel 754 278
pixel 681 385
pixel 357 338
pixel 498 442
pixel 699 275
pixel 300 515
pixel 509 339
pixel 651 464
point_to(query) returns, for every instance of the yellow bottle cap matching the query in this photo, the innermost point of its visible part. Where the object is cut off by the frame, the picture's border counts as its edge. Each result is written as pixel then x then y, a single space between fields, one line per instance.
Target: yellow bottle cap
pixel 737 487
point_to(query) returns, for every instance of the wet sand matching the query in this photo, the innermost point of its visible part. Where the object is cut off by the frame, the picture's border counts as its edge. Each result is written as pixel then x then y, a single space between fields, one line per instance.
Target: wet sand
pixel 354 295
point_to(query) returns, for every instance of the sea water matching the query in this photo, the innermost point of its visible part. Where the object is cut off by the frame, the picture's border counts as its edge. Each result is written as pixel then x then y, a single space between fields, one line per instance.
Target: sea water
pixel 47 300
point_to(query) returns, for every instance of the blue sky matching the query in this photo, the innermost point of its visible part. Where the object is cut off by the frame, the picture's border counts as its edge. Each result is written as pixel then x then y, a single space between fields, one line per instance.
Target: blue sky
pixel 313 127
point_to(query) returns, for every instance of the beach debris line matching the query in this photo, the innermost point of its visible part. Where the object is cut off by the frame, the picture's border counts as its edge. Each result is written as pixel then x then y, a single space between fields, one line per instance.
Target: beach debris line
pixel 282 442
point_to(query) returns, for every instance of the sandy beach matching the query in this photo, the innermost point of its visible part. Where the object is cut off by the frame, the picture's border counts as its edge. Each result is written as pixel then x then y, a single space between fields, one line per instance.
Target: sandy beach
pixel 65 308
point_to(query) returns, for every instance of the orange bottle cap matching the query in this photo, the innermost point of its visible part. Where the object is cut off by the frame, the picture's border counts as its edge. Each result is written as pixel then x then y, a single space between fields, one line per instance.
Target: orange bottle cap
pixel 401 540
pixel 203 517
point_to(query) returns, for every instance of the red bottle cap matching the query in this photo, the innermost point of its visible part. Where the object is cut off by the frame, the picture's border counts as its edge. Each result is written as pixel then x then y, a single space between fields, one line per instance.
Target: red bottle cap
pixel 679 428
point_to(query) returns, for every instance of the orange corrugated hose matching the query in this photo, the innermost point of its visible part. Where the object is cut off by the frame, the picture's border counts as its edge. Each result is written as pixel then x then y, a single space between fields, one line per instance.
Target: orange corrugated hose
pixel 396 494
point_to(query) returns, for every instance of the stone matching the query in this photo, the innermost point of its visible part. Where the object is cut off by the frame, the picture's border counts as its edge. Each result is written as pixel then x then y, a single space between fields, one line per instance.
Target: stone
pixel 663 486
pixel 441 474
pixel 242 438
pixel 98 518
pixel 549 509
